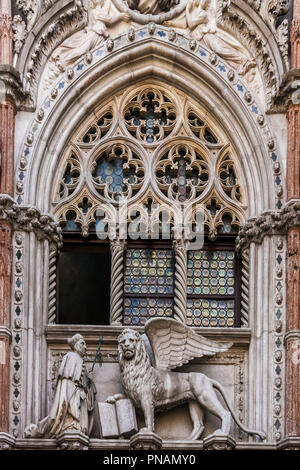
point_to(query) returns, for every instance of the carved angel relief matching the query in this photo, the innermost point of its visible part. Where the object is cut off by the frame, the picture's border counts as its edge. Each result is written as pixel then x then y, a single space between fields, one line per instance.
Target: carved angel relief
pixel 152 385
pixel 195 18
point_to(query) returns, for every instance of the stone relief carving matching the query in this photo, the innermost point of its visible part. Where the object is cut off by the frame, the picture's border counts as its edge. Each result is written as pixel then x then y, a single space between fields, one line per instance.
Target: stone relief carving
pixel 201 20
pixel 198 18
pixel 83 41
pixel 30 219
pixel 20 33
pixel 267 224
pixel 152 6
pixel 173 344
pixel 74 398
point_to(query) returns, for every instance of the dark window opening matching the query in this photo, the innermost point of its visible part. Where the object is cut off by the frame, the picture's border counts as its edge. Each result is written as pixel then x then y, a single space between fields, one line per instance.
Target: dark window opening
pixel 83 270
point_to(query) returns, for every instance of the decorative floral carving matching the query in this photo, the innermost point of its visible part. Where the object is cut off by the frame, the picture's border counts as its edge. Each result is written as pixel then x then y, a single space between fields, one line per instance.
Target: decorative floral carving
pixel 29 219
pixel 20 33
pixel 267 224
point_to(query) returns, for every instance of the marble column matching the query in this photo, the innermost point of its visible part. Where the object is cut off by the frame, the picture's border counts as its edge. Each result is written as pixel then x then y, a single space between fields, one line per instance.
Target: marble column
pixel 292 337
pixel 7 115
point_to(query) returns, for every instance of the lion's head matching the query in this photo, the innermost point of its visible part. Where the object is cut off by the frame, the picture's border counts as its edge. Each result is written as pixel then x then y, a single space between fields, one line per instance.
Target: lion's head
pixel 131 347
pixel 134 362
pixel 129 344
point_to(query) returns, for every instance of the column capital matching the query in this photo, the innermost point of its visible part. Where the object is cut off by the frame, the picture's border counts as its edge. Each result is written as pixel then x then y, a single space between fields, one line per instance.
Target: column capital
pixel 13 87
pixel 29 219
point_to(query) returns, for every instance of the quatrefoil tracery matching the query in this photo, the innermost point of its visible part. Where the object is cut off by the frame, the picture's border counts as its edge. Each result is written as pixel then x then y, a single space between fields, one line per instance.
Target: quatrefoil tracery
pixel 182 172
pixel 117 172
pixel 150 116
pixel 192 160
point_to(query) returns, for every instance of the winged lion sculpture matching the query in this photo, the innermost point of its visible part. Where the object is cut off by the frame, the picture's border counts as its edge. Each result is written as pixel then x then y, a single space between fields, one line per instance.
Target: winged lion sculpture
pixel 152 384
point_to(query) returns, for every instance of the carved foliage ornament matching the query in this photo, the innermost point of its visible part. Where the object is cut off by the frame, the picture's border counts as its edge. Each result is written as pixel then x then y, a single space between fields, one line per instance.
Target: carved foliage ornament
pixel 267 224
pixel 30 219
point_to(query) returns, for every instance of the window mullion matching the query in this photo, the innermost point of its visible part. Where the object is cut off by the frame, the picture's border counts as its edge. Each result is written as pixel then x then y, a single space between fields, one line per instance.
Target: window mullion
pixel 117 248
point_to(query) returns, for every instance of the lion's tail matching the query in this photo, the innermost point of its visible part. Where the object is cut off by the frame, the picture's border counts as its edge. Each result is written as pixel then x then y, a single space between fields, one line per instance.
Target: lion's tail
pixel 260 434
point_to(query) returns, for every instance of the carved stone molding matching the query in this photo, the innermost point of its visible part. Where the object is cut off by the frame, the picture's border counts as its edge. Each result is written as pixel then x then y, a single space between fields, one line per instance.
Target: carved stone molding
pixel 7 442
pixel 13 85
pixel 283 97
pixel 68 22
pixel 5 332
pixel 219 442
pixel 290 443
pixel 145 441
pixel 72 440
pixel 231 20
pixel 267 224
pixel 29 219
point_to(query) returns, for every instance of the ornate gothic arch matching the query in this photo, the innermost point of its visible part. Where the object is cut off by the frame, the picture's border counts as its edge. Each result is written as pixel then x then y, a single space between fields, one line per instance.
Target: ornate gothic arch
pixel 91 84
pixel 222 95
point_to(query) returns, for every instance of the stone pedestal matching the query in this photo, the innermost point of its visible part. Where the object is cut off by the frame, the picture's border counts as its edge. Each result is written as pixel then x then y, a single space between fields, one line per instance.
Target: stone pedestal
pixel 72 440
pixel 7 442
pixel 290 443
pixel 145 441
pixel 219 442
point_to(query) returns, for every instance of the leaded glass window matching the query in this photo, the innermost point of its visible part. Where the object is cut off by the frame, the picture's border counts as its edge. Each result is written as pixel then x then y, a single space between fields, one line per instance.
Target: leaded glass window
pixel 154 143
pixel 148 284
pixel 213 287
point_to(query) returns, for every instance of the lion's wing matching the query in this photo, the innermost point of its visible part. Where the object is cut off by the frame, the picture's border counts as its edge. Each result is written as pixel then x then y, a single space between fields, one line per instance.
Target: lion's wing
pixel 175 344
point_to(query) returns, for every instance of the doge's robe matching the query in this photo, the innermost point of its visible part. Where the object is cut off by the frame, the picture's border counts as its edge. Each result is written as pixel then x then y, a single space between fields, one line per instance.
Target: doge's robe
pixel 73 402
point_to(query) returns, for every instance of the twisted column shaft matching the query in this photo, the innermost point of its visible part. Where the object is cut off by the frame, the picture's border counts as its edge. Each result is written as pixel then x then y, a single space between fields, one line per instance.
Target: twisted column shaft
pixel 116 286
pixel 180 292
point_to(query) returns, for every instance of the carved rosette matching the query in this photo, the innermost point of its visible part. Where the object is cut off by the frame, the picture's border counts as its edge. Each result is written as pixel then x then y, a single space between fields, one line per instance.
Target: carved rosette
pixel 180 296
pixel 278 348
pixel 116 291
pixel 17 333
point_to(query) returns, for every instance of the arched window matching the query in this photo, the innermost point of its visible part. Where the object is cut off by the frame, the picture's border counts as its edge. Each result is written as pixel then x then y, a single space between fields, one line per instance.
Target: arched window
pixel 151 149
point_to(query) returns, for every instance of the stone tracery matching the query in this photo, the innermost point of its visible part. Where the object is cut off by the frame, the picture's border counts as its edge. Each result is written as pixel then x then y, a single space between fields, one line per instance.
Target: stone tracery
pixel 103 164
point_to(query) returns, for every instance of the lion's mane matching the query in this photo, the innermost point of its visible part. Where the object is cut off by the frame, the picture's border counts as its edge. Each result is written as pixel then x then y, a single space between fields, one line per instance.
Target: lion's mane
pixel 137 373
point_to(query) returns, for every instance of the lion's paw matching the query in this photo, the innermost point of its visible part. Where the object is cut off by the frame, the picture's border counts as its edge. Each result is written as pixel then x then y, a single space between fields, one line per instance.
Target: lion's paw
pixel 219 432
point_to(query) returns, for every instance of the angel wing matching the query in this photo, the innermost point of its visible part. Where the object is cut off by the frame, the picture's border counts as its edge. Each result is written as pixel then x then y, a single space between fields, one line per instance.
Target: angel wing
pixel 175 344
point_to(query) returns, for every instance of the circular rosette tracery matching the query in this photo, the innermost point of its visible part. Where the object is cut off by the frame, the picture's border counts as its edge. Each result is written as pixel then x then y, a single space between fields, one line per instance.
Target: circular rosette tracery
pixel 117 172
pixel 150 116
pixel 182 172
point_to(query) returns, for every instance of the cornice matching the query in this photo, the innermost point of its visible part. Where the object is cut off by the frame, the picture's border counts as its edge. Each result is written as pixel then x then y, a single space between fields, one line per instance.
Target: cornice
pixel 30 219
pixel 13 85
pixel 269 223
pixel 284 96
